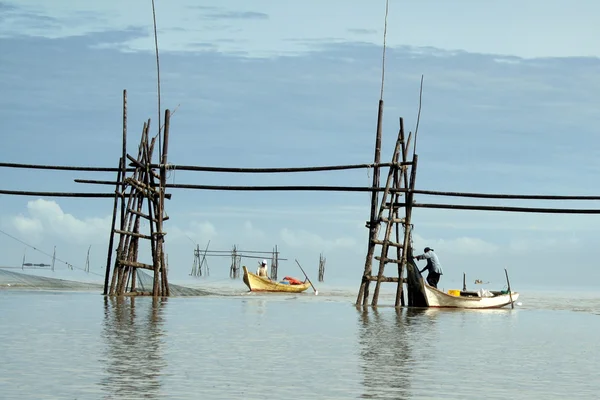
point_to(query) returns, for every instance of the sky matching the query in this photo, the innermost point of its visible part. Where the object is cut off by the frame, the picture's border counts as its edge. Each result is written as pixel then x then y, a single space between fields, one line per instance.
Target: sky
pixel 510 102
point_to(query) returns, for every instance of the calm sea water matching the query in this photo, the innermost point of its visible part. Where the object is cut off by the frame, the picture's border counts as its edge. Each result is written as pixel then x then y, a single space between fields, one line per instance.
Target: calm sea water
pixel 79 345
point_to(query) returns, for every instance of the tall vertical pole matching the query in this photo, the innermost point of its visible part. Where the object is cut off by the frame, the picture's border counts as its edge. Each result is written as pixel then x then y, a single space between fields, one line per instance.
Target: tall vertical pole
pixel 407 223
pixel 124 158
pixel 363 293
pixel 159 267
pixel 87 260
pixel 400 173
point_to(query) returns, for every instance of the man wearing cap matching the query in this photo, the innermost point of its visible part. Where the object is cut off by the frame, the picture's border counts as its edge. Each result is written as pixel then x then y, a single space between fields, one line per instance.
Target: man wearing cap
pixel 262 269
pixel 433 267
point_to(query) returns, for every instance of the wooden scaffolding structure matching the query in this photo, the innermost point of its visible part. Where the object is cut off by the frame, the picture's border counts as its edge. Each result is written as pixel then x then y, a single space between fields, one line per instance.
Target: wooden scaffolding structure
pixel 141 195
pixel 200 262
pixel 389 217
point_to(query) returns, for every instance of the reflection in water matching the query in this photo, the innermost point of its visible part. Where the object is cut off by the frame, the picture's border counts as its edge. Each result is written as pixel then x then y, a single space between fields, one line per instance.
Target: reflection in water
pixel 386 339
pixel 133 331
pixel 255 306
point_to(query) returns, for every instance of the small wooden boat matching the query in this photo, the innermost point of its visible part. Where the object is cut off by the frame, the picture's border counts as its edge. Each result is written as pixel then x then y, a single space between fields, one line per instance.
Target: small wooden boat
pixel 421 294
pixel 469 299
pixel 259 284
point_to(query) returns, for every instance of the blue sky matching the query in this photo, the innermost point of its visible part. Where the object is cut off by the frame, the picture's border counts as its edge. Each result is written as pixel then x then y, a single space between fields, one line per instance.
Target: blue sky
pixel 508 107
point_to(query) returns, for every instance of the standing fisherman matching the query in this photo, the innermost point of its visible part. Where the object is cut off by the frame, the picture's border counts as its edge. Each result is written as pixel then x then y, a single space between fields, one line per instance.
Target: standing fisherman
pixel 433 266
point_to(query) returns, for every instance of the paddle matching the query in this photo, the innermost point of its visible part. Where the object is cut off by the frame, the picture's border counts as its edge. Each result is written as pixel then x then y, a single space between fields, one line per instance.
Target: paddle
pixel 512 304
pixel 316 291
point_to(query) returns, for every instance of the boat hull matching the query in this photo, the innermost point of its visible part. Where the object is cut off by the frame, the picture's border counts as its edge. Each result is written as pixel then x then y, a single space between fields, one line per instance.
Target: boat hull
pixel 437 298
pixel 259 284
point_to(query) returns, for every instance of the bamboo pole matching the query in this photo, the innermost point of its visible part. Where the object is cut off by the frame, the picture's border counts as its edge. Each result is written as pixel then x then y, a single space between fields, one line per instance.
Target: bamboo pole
pixel 512 304
pixel 148 177
pixel 506 196
pixel 510 209
pixel 310 188
pixel 363 293
pixel 159 229
pixel 60 194
pixel 167 124
pixel 407 223
pixel 120 286
pixel 228 252
pixel 62 167
pixel 356 189
pixel 112 232
pixel 199 168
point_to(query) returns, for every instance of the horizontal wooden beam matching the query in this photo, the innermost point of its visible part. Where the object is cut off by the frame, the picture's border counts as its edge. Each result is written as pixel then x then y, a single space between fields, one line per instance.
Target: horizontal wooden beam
pixel 62 167
pixel 303 169
pixel 241 255
pixel 510 209
pixel 58 194
pixel 239 251
pixel 136 264
pixel 393 220
pixel 389 260
pixel 280 170
pixel 283 188
pixel 68 194
pixel 506 196
pixel 390 243
pixel 374 278
pixel 134 234
pixel 135 162
pixel 146 216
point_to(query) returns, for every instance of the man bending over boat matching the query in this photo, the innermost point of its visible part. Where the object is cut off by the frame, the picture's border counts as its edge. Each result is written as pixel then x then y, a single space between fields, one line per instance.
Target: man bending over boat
pixel 433 267
pixel 262 270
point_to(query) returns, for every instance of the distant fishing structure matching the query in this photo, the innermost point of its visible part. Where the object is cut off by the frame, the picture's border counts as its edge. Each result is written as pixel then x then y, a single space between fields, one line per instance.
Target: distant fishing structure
pixel 200 262
pixel 322 261
pixel 140 193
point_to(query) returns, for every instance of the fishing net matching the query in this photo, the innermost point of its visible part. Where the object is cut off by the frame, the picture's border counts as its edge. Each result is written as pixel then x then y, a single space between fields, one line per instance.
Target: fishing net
pixel 10 279
pixel 146 281
pixel 18 280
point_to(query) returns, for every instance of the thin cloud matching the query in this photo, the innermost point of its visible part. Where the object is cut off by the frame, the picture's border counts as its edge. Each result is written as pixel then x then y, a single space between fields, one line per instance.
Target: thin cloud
pixel 362 31
pixel 253 15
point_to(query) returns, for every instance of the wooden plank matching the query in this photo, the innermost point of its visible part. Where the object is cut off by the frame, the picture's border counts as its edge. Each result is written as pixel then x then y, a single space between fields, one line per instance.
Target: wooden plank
pixel 390 279
pixel 393 220
pixel 394 205
pixel 136 264
pixel 133 234
pixel 388 260
pixel 278 170
pixel 389 243
pixel 146 216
